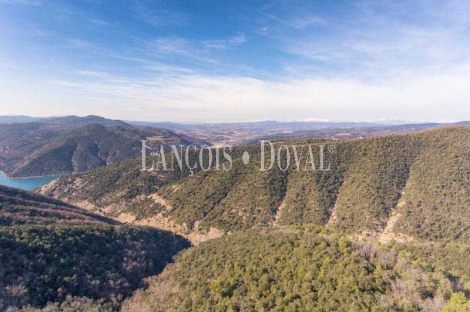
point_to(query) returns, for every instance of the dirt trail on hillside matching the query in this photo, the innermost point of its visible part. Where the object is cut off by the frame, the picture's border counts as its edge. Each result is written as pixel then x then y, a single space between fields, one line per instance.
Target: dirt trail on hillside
pixel 388 234
pixel 279 212
pixel 161 222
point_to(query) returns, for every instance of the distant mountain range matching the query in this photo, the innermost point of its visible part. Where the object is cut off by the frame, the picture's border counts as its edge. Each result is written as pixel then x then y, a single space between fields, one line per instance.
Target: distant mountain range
pixel 356 132
pixel 71 144
pixel 64 122
pixel 269 125
pixel 241 133
pixel 17 119
pixel 248 132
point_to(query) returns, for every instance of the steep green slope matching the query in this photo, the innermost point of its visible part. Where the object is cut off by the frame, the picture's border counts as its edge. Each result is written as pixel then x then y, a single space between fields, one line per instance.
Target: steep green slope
pixel 298 270
pixel 19 207
pixel 362 193
pixel 46 264
pixel 86 148
pixel 19 140
pixel 80 150
pixel 52 252
pixel 75 144
pixel 376 171
pixel 436 200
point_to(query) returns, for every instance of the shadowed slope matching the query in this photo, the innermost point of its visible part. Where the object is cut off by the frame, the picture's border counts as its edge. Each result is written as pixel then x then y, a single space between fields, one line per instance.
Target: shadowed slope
pixel 52 252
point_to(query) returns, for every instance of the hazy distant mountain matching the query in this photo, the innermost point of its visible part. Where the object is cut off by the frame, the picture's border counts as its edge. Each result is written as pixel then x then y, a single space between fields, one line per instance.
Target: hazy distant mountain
pixel 67 122
pixel 17 119
pixel 240 132
pixel 74 121
pixel 267 125
pixel 249 132
pixel 349 133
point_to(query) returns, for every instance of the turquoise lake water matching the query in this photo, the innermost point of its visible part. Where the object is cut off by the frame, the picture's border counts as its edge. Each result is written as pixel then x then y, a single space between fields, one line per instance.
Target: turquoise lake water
pixel 27 183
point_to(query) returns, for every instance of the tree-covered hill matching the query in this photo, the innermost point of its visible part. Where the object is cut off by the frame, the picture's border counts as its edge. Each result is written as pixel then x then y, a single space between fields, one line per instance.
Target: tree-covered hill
pixel 55 254
pixel 40 148
pixel 18 207
pixel 305 269
pixel 411 186
pixel 21 137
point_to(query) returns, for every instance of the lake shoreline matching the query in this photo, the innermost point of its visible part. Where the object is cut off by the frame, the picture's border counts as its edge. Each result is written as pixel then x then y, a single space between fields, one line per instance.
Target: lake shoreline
pixel 29 183
pixel 32 177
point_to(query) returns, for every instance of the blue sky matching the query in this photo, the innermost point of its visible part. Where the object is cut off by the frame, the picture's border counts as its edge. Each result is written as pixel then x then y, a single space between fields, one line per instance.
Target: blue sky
pixel 199 61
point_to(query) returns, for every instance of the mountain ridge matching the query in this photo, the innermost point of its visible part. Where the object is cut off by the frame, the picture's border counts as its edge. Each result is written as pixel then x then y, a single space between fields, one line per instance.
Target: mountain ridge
pixel 366 184
pixel 41 148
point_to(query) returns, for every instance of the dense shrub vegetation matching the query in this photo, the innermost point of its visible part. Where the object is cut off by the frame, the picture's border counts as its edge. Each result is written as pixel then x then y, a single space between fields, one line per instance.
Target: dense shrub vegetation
pixel 301 269
pixel 20 207
pixel 52 252
pixel 46 264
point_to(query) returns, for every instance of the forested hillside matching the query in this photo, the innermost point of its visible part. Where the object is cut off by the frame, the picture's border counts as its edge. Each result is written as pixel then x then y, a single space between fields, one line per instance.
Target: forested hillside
pixel 403 187
pixel 55 254
pixel 299 240
pixel 18 207
pixel 74 144
pixel 306 269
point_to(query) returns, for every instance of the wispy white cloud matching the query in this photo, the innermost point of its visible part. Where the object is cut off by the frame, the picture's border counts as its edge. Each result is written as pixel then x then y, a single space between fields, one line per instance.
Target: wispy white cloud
pixel 80 44
pixel 278 19
pixel 92 74
pixel 63 83
pixel 4 65
pixel 222 44
pixel 383 40
pixel 202 51
pixel 151 66
pixel 168 69
pixel 307 21
pixel 172 45
pixel 223 98
pixel 184 49
pixel 99 22
pixel 158 14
